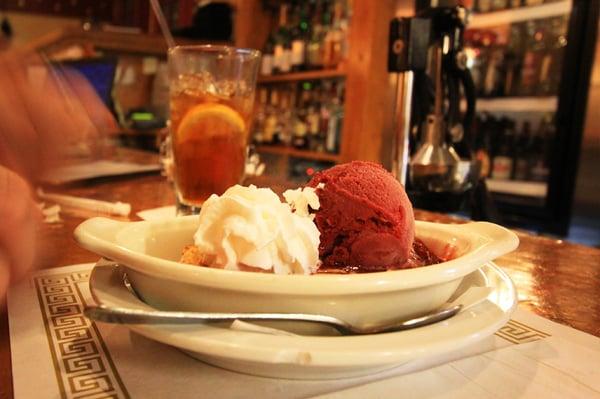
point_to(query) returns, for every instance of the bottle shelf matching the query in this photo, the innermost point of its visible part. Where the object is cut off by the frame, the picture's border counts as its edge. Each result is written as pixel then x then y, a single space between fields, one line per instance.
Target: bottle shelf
pixel 307 75
pixel 505 17
pixel 516 104
pixel 515 187
pixel 293 152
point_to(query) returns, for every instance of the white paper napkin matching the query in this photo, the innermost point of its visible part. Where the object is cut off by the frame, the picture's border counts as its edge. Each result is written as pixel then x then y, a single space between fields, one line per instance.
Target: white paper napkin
pixel 71 357
pixel 95 169
pixel 164 212
pixel 555 367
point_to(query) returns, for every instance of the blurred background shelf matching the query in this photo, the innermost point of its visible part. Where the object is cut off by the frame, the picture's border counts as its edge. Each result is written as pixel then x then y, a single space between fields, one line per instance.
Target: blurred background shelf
pixel 340 111
pixel 293 152
pixel 308 75
pixel 515 187
pixel 522 14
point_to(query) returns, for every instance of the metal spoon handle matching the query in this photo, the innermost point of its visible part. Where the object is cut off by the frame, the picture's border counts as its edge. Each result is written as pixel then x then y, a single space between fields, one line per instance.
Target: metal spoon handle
pixel 437 316
pixel 137 316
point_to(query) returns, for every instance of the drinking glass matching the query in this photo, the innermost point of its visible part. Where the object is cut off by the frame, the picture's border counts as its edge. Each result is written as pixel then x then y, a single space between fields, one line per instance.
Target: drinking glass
pixel 211 102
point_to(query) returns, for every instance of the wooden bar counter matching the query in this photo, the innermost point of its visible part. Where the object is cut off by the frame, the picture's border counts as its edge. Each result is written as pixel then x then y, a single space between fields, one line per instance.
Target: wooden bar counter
pixel 555 279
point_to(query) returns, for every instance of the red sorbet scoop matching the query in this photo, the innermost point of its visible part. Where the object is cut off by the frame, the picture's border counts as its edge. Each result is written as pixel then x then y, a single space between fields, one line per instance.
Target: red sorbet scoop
pixel 366 219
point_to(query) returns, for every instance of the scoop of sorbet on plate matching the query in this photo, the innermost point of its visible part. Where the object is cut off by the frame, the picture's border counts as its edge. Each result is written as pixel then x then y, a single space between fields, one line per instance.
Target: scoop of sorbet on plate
pixel 365 218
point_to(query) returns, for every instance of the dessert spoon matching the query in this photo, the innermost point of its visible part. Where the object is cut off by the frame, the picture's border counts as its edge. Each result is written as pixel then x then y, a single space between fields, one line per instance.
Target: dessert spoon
pixel 121 315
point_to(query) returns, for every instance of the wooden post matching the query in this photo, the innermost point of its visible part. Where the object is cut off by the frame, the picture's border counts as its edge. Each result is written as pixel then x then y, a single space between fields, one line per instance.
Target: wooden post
pixel 252 24
pixel 368 107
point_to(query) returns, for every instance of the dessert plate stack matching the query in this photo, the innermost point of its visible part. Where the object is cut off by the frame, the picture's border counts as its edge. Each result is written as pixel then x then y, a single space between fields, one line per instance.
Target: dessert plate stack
pixel 149 254
pixel 322 357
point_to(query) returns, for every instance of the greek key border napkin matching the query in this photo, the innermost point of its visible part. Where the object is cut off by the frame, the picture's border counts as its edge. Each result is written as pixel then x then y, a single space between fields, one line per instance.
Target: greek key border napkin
pixel 58 353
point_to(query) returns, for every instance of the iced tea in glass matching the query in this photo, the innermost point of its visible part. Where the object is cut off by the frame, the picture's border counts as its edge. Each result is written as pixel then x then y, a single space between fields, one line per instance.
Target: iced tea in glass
pixel 211 100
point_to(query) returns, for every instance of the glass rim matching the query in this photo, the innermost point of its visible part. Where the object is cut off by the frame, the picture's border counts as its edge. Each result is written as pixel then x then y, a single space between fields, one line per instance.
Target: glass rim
pixel 217 49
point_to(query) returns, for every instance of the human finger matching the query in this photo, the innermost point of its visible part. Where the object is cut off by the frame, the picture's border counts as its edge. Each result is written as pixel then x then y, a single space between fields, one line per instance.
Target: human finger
pixel 4 275
pixel 17 230
pixel 19 140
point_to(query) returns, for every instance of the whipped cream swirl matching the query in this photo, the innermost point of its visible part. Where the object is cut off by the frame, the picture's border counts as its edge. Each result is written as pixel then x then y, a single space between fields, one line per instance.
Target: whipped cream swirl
pixel 251 227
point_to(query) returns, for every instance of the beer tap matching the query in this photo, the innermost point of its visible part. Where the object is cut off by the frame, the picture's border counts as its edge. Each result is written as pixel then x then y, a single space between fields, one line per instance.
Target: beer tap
pixel 433 155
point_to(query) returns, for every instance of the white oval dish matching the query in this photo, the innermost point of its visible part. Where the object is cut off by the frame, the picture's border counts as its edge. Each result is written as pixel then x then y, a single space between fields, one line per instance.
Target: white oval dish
pixel 150 250
pixel 310 357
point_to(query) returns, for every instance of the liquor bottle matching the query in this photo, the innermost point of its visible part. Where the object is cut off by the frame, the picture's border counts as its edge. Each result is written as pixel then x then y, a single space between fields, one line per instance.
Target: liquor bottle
pixel 535 50
pixel 277 109
pixel 295 43
pixel 487 41
pixel 270 130
pixel 523 152
pixel 268 60
pixel 313 119
pixel 333 130
pixel 540 150
pixel 552 61
pixel 327 36
pixel 286 65
pixel 285 118
pixel 513 60
pixel 312 122
pixel 345 27
pixel 300 139
pixel 314 52
pixel 496 133
pixel 260 116
pixel 490 127
pixel 324 111
pixel 472 39
pixel 332 42
pixel 502 164
pixel 495 69
pixel 482 145
pixel 300 38
pixel 336 120
pixel 282 48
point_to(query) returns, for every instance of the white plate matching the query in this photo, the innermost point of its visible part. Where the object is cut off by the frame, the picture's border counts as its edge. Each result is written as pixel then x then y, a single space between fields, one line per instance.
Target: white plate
pixel 322 357
pixel 151 251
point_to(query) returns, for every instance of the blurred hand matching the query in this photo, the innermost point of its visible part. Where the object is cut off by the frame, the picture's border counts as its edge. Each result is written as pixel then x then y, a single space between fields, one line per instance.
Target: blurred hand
pixel 44 110
pixel 19 216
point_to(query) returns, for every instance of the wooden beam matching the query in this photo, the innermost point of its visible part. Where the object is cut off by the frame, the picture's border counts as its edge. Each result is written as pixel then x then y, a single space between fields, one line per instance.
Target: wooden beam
pixel 252 23
pixel 368 110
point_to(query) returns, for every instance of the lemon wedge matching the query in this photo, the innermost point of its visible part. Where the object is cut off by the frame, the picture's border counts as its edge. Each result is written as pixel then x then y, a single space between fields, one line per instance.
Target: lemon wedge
pixel 210 119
